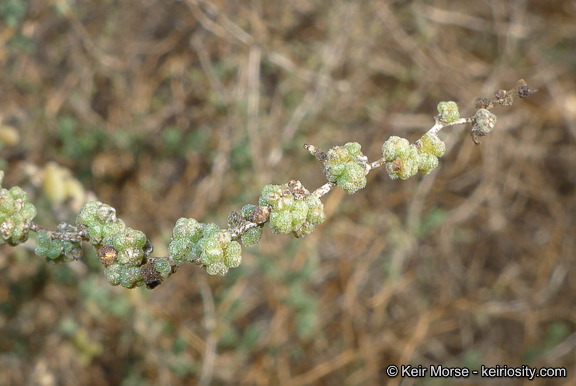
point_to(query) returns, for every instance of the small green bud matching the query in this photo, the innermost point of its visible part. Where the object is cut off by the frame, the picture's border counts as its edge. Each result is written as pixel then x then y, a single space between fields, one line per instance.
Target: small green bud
pixel 395 147
pixel 305 229
pixel 299 213
pixel 430 143
pixel 218 268
pixel 426 162
pixel 105 214
pixel 212 252
pixel 211 230
pixel 18 217
pixel 119 242
pixel 16 193
pixel 354 149
pixel 195 252
pixel 47 248
pixel 56 251
pixel 88 212
pixel 281 221
pixel 232 257
pixel 315 210
pixel 339 154
pixel 131 277
pixel 353 178
pixel 251 237
pixel 19 235
pixel 29 211
pixel 179 250
pixel 163 267
pixel 270 193
pixel 135 237
pixel 130 256
pixel 7 205
pixel 111 229
pixel 448 111
pixel 233 261
pixel 247 210
pixel 409 169
pixel 285 202
pixel 114 274
pixel 95 231
pixel 335 169
pixel 187 228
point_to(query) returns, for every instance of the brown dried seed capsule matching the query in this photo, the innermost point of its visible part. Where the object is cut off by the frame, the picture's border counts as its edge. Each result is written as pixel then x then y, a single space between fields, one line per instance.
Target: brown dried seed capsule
pixel 483 103
pixel 524 91
pixel 151 276
pixel 500 94
pixel 298 190
pixel 107 255
pixel 503 97
pixel 483 123
pixel 397 164
pixel 260 215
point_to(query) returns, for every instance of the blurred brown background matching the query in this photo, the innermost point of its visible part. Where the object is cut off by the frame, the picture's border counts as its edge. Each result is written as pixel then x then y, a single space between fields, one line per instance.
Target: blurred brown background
pixel 168 109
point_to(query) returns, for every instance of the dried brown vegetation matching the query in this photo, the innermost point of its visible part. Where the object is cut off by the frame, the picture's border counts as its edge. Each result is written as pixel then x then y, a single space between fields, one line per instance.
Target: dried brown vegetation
pixel 187 108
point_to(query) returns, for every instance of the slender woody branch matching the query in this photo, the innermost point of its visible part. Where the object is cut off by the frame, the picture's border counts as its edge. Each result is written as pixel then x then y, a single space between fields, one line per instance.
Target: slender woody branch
pixel 288 208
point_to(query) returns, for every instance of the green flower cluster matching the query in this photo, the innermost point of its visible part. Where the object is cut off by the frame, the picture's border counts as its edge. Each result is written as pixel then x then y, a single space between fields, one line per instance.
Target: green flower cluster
pixel 403 160
pixel 16 214
pixel 448 112
pixel 58 251
pixel 128 246
pixel 204 244
pixel 297 213
pixel 346 166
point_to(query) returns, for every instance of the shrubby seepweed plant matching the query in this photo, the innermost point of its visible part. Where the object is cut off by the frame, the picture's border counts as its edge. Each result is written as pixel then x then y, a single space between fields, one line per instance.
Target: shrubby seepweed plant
pixel 287 208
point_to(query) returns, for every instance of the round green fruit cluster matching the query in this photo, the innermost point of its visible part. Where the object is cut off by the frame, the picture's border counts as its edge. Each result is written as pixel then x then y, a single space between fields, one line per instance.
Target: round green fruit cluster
pixel 403 160
pixel 16 214
pixel 131 252
pixel 205 244
pixel 448 112
pixel 100 221
pixel 125 248
pixel 346 167
pixel 292 213
pixel 58 251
